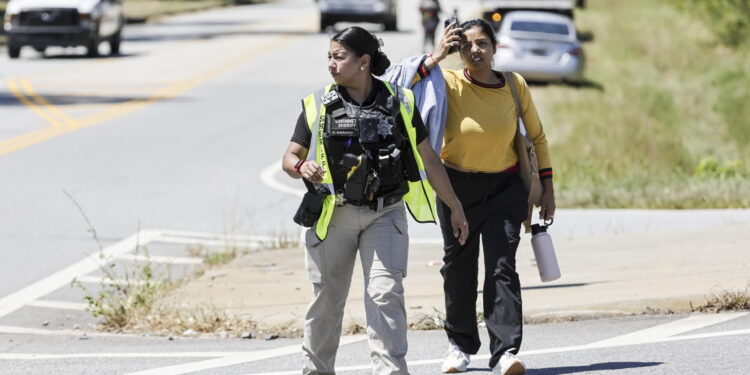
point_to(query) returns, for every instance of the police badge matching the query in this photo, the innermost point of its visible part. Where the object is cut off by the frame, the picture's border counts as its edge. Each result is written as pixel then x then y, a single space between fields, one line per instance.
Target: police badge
pixel 384 128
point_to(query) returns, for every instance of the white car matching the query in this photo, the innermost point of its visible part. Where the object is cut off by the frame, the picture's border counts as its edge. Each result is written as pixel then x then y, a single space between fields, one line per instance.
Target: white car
pixel 44 23
pixel 375 11
pixel 541 46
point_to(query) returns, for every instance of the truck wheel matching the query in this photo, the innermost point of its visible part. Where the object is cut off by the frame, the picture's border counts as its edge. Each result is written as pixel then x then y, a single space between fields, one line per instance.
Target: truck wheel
pixel 391 24
pixel 92 48
pixel 114 44
pixel 14 51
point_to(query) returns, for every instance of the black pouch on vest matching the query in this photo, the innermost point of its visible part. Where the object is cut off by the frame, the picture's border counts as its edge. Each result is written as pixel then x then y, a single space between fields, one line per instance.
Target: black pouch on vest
pixel 354 188
pixel 311 207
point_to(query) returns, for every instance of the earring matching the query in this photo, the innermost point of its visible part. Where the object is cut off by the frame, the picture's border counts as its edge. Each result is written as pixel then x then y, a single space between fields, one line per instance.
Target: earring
pixel 362 68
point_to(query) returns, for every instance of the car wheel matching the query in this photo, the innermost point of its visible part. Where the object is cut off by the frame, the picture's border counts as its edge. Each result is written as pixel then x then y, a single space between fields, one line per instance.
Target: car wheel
pixel 114 44
pixel 14 51
pixel 391 24
pixel 92 48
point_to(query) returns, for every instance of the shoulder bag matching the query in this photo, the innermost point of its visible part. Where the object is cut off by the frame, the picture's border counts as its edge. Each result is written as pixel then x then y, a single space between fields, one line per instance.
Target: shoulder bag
pixel 527 162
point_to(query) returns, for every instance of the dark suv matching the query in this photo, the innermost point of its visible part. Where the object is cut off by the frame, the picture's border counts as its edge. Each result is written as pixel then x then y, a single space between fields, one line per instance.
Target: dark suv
pixel 375 11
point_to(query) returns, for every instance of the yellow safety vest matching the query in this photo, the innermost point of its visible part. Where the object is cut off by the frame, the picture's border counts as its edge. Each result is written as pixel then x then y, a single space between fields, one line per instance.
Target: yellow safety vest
pixel 420 200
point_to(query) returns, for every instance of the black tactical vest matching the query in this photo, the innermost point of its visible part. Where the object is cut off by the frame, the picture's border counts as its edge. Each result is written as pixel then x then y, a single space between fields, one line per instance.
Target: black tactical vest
pixel 365 146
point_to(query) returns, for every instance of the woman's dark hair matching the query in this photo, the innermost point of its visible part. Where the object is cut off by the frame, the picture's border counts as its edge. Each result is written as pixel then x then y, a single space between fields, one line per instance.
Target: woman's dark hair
pixel 363 43
pixel 484 26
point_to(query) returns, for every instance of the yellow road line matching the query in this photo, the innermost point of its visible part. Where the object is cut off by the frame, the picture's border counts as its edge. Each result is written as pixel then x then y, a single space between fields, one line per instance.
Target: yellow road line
pixel 183 86
pixel 13 87
pixel 119 110
pixel 69 121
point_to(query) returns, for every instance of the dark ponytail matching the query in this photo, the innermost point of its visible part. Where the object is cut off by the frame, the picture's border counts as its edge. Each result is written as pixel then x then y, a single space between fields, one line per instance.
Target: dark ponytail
pixel 362 42
pixel 379 63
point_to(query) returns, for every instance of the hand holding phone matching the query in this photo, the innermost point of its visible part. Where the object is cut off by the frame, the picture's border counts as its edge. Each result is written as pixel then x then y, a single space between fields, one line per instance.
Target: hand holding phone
pixel 448 21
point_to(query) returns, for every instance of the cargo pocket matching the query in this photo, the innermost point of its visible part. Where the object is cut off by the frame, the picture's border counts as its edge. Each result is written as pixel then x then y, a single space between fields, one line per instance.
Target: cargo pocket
pixel 314 259
pixel 399 249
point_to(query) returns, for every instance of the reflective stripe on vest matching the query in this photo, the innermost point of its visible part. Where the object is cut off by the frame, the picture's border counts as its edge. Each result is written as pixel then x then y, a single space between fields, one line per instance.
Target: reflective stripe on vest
pixel 420 200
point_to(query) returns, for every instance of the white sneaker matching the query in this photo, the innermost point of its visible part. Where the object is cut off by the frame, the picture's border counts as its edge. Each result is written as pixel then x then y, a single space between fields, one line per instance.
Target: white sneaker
pixel 455 360
pixel 509 364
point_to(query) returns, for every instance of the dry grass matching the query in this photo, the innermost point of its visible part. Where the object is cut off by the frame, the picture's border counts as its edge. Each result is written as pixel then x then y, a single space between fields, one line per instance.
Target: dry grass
pixel 428 322
pixel 664 97
pixel 354 328
pixel 726 300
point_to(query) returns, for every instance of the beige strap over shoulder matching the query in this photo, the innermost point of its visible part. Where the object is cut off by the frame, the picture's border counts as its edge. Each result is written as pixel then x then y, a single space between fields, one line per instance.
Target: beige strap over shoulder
pixel 527 161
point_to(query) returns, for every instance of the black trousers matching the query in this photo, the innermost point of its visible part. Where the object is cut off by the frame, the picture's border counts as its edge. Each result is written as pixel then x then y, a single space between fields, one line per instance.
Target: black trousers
pixel 495 207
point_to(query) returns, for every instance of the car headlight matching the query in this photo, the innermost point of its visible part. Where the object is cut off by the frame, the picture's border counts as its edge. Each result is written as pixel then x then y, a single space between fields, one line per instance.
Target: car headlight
pixel 9 21
pixel 378 7
pixel 86 20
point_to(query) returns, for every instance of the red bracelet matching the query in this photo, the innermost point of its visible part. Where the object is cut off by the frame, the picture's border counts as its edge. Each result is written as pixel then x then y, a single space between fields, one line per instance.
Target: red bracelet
pixel 299 165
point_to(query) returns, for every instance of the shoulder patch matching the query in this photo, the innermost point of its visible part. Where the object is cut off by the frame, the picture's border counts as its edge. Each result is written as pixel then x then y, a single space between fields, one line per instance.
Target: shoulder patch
pixel 330 98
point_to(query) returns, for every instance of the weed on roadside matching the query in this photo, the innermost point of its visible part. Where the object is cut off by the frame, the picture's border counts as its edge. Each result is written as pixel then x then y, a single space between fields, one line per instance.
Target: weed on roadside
pixel 725 300
pixel 124 297
pixel 428 322
pixel 123 300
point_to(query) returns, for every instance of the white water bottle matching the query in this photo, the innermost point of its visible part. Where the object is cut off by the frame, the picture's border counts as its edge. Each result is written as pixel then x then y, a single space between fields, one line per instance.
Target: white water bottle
pixel 544 252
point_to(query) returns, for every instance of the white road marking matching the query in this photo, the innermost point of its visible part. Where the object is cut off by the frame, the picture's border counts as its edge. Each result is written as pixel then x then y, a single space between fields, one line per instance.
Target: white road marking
pixel 211 243
pixel 160 259
pixel 238 359
pixel 107 281
pixel 670 329
pixel 49 284
pixel 218 240
pixel 166 233
pixel 265 354
pixel 59 332
pixel 545 351
pixel 58 305
pixel 36 356
pixel 224 359
pixel 267 176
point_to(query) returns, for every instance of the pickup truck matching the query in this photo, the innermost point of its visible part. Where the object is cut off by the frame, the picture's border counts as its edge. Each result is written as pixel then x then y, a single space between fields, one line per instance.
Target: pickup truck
pixel 43 23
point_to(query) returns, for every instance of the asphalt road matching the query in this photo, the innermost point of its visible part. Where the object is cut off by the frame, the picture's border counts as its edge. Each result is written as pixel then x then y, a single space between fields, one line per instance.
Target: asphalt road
pixel 166 145
pixel 667 344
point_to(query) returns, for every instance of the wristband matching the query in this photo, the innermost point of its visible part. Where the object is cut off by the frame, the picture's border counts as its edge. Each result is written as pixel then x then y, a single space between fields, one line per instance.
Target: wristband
pixel 423 70
pixel 299 165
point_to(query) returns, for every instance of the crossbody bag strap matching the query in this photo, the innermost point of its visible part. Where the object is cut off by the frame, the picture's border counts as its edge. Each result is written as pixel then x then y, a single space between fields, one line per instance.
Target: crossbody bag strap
pixel 511 80
pixel 521 140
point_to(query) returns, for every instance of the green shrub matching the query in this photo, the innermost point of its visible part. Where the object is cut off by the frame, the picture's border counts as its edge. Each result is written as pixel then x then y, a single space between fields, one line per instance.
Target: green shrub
pixel 729 19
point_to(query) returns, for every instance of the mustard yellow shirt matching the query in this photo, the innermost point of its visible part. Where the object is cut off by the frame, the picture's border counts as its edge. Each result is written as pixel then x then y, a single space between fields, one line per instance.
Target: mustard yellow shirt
pixel 481 124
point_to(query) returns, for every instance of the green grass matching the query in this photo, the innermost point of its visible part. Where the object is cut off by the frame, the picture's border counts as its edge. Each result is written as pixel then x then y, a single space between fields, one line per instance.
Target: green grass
pixel 669 126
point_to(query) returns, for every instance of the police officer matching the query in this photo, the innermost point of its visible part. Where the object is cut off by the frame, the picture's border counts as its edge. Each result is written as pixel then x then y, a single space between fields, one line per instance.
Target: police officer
pixel 360 145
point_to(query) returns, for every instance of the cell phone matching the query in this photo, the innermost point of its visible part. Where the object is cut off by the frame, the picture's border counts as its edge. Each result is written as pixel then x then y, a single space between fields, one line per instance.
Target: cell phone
pixel 448 21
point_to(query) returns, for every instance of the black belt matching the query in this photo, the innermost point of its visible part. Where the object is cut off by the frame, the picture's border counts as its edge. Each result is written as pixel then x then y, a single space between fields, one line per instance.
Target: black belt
pixel 379 203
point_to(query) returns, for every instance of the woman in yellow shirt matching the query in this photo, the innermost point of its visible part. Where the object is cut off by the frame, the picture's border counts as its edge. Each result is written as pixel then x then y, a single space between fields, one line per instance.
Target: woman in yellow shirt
pixel 482 165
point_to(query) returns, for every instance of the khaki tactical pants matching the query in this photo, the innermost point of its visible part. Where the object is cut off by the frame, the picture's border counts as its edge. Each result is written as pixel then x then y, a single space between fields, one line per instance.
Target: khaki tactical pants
pixel 382 240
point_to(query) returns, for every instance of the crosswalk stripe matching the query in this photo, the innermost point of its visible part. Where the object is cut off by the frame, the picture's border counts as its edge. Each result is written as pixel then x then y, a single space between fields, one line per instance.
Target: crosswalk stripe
pixel 62 305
